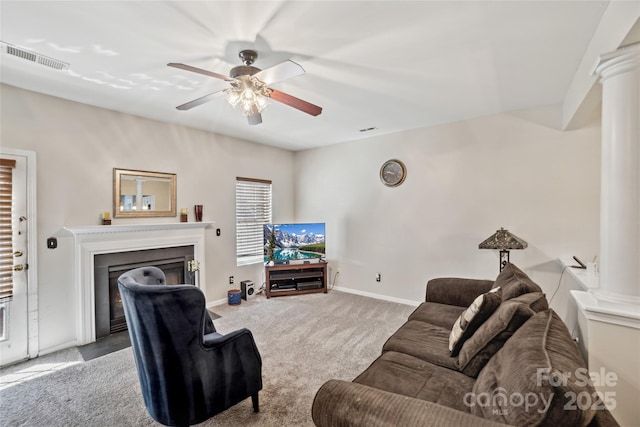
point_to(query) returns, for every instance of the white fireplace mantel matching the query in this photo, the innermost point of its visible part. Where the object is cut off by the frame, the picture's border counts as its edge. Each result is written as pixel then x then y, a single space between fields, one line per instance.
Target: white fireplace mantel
pixel 128 228
pixel 89 241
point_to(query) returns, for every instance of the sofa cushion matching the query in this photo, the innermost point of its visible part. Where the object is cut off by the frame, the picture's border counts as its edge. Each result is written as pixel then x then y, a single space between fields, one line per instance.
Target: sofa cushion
pixel 443 315
pixel 409 376
pixel 541 363
pixel 514 282
pixel 456 290
pixel 497 329
pixel 422 340
pixel 471 319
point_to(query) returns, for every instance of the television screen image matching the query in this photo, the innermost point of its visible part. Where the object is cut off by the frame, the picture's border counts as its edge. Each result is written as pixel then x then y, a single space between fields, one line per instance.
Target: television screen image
pixel 287 242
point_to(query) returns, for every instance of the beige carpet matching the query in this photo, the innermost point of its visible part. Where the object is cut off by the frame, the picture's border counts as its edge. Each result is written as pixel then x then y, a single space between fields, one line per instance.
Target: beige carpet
pixel 304 341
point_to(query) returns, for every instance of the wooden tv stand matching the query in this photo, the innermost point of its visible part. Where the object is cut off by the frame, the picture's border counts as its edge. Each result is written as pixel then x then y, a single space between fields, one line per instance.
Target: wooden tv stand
pixel 296 279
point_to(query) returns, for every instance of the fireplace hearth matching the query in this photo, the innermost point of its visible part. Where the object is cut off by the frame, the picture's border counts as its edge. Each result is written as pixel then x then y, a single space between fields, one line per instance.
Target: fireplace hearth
pixel 109 313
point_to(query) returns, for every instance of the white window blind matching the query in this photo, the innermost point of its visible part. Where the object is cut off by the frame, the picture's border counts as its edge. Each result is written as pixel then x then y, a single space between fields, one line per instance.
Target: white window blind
pixel 253 211
pixel 6 233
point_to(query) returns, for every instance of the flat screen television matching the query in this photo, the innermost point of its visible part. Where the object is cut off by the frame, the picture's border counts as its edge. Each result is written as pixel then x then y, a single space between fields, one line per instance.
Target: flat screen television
pixel 289 242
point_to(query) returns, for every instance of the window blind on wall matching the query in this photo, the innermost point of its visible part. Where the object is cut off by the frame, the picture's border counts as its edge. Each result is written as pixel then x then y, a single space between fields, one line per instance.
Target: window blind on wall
pixel 6 229
pixel 253 211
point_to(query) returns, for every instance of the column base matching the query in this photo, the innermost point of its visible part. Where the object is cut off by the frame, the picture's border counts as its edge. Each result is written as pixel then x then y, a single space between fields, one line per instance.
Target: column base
pixel 609 335
pixel 608 311
pixel 612 297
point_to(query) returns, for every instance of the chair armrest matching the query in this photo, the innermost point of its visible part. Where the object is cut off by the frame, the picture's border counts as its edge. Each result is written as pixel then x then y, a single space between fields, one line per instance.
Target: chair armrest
pixel 208 323
pixel 215 339
pixel 342 403
pixel 456 291
pixel 242 339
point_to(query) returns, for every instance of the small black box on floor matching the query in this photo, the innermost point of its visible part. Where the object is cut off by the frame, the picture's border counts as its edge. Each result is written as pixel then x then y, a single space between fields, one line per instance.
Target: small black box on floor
pixel 248 289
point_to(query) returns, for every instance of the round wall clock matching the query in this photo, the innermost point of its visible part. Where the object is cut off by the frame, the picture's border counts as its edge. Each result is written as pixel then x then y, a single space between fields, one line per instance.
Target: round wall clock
pixel 393 172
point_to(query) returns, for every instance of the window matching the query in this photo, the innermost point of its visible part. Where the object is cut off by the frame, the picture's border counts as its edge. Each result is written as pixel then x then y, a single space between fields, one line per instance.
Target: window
pixel 253 211
pixel 6 230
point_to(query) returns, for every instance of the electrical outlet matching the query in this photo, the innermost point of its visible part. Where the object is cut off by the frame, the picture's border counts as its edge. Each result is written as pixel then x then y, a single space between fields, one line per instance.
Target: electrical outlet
pixel 378 277
pixel 231 280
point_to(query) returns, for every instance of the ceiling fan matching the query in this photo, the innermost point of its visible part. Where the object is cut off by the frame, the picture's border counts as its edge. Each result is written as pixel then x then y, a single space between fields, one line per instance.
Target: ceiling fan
pixel 249 87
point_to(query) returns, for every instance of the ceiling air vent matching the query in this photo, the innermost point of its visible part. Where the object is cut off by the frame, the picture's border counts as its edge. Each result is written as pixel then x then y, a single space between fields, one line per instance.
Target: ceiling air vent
pixel 33 57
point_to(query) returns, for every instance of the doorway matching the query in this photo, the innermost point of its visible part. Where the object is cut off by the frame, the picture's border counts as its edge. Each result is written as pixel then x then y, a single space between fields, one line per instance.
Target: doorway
pixel 19 312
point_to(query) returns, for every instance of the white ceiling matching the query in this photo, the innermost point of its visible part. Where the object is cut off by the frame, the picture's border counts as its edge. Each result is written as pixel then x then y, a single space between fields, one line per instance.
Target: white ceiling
pixel 386 64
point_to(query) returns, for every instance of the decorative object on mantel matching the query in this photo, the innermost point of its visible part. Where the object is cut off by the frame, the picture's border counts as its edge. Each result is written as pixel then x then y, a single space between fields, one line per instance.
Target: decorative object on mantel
pixel 143 194
pixel 504 240
pixel 198 210
pixel 183 215
pixel 106 218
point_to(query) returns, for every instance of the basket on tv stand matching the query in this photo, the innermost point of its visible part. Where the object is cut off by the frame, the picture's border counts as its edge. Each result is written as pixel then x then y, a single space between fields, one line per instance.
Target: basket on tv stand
pixel 296 279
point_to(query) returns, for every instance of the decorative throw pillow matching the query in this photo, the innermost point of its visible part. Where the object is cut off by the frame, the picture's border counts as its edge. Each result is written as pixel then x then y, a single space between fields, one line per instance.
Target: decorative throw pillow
pixel 471 319
pixel 514 282
pixel 522 367
pixel 496 330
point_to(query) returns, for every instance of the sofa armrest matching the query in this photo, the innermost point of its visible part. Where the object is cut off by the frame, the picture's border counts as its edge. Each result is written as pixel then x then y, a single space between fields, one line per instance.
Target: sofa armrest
pixel 603 418
pixel 456 291
pixel 341 404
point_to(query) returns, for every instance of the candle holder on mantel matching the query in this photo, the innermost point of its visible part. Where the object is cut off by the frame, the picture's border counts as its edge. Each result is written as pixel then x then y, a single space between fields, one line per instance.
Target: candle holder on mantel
pixel 183 215
pixel 198 211
pixel 106 218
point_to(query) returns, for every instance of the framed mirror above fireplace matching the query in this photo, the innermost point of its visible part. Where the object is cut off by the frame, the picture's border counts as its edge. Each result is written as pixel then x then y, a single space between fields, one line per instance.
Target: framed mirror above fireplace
pixel 143 194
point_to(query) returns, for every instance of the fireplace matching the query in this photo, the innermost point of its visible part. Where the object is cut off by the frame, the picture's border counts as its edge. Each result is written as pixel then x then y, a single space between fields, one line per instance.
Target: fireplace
pixel 93 240
pixel 109 313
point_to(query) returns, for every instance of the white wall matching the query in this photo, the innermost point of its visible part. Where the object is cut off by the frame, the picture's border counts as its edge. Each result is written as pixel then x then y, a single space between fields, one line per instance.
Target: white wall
pixel 465 180
pixel 78 146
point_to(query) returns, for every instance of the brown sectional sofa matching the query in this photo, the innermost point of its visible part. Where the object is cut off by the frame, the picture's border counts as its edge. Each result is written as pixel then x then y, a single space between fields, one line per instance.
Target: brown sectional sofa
pixel 515 366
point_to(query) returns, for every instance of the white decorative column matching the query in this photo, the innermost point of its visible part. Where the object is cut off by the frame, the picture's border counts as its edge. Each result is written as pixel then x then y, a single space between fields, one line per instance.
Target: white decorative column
pixel 620 176
pixel 609 316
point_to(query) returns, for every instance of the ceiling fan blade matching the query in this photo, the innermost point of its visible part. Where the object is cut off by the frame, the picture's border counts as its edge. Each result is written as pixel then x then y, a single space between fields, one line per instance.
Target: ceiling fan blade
pixel 203 99
pixel 255 118
pixel 283 71
pixel 198 70
pixel 297 103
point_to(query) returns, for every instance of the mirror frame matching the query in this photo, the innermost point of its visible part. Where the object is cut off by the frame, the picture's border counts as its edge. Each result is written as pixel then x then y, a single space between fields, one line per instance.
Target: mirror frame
pixel 117 176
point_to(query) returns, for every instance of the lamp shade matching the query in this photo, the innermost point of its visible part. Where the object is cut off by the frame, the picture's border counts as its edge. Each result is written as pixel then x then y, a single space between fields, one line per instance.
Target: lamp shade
pixel 503 239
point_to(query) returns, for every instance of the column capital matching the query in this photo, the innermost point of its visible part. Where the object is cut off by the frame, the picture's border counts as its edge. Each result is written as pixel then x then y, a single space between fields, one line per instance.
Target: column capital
pixel 619 61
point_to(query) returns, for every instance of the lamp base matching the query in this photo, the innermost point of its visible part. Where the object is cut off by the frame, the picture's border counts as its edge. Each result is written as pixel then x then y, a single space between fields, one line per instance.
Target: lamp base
pixel 504 259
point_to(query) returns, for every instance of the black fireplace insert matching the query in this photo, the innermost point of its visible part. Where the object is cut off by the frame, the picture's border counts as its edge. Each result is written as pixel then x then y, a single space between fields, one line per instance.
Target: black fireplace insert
pixel 108 267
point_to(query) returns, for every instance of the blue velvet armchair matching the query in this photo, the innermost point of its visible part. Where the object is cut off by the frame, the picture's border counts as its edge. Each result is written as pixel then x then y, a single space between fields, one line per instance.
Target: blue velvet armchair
pixel 188 372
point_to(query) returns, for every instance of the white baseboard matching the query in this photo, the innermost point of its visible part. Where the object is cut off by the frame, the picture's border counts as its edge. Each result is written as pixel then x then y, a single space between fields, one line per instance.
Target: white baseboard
pixel 412 303
pixel 377 296
pixel 217 302
pixel 59 347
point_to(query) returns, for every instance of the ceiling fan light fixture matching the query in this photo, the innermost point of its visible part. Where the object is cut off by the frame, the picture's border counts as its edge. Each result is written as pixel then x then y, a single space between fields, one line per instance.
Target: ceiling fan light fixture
pixel 249 93
pixel 249 87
